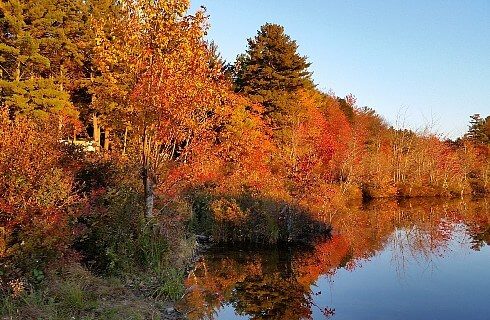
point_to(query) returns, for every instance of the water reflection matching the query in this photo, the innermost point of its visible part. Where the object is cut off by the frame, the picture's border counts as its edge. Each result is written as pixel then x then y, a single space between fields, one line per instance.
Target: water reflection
pixel 410 250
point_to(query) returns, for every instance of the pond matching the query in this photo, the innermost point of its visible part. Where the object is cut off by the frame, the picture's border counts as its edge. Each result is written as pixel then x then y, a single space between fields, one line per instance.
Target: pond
pixel 418 259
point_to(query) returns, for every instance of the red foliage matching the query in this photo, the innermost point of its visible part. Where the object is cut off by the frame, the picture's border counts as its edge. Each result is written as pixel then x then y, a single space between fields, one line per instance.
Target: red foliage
pixel 35 192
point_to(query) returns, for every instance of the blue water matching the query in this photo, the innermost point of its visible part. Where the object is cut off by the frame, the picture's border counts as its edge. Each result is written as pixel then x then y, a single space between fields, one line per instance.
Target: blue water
pixel 437 268
pixel 455 285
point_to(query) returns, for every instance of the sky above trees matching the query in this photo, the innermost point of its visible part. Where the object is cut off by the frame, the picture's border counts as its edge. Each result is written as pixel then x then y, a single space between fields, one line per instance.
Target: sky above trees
pixel 417 63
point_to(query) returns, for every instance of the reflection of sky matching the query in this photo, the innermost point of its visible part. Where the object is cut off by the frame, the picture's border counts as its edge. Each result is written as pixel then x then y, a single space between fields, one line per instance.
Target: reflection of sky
pixel 228 312
pixel 455 286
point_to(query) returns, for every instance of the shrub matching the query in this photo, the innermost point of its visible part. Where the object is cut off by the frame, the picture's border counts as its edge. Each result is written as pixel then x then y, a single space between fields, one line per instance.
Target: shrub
pixel 37 199
pixel 110 230
pixel 253 219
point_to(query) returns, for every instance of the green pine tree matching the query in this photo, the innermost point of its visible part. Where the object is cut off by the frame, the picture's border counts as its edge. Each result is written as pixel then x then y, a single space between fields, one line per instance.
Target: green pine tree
pixel 67 22
pixel 479 129
pixel 28 83
pixel 272 70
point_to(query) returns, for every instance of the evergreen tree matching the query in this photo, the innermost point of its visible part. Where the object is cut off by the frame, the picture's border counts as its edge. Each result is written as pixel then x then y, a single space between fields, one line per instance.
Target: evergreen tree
pixel 67 24
pixel 27 81
pixel 479 129
pixel 486 128
pixel 272 70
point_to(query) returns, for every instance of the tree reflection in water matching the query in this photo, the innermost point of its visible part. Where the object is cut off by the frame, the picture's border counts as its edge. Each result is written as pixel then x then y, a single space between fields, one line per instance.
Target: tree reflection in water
pixel 278 283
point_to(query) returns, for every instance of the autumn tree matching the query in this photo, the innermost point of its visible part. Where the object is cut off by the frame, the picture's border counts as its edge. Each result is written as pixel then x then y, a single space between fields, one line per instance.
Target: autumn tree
pixel 158 63
pixel 245 148
pixel 347 106
pixel 111 74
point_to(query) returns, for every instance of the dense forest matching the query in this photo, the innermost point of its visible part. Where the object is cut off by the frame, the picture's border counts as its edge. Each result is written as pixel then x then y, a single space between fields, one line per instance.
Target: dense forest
pixel 124 136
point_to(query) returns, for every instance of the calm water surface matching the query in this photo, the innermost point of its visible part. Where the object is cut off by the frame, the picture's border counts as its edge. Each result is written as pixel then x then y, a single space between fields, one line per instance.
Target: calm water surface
pixel 421 259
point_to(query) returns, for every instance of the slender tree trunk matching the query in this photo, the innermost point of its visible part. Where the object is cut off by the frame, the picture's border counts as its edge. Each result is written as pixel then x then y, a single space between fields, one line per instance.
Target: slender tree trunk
pixel 107 133
pixel 95 123
pixel 3 241
pixel 149 195
pixel 125 140
pixel 60 116
pixel 289 222
pixel 148 178
pixel 60 125
pixel 17 72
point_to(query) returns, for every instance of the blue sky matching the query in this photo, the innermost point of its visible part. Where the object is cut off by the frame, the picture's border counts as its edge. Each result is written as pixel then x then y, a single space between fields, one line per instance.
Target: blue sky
pixel 415 62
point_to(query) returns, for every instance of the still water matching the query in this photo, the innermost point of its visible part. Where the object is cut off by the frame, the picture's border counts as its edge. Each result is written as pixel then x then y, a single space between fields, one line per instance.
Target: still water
pixel 420 259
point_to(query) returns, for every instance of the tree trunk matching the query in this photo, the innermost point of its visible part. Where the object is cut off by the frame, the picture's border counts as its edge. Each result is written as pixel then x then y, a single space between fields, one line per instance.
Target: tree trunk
pixel 60 116
pixel 148 176
pixel 148 184
pixel 125 140
pixel 17 72
pixel 60 125
pixel 107 133
pixel 95 124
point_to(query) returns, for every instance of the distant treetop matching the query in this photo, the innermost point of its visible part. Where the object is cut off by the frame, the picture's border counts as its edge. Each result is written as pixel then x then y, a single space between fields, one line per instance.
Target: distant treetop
pixel 479 129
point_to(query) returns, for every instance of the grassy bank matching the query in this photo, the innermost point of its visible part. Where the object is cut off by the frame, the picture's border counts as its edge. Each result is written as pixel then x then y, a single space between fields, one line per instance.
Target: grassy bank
pixel 75 293
pixel 103 260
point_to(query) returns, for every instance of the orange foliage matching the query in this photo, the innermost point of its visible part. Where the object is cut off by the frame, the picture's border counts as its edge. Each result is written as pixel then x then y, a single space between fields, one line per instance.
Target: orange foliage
pixel 36 193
